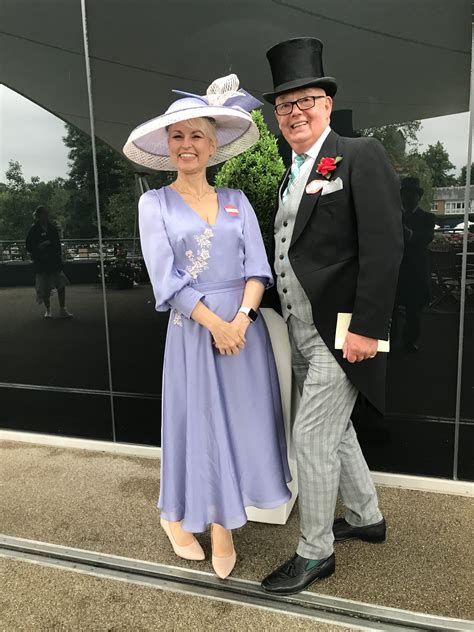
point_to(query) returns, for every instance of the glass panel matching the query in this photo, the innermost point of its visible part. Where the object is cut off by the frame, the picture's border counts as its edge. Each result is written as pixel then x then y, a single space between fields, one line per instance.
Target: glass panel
pixel 465 463
pixel 60 412
pixel 52 319
pixel 137 332
pixel 417 434
pixel 137 419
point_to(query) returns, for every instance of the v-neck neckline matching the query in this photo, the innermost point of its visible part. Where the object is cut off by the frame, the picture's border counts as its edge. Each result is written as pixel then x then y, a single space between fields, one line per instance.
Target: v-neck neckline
pixel 195 212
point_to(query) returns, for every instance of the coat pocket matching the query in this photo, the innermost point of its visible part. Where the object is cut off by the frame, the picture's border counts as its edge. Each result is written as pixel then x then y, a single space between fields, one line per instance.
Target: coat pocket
pixel 331 197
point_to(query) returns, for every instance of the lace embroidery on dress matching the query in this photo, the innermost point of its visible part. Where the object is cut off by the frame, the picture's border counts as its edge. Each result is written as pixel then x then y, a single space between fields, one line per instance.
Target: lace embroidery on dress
pixel 178 318
pixel 198 263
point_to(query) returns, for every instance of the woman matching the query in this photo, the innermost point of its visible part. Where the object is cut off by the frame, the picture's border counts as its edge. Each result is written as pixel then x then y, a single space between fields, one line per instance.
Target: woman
pixel 223 439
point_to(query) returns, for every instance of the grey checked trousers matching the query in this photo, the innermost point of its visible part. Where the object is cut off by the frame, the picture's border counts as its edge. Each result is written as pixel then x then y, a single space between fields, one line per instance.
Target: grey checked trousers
pixel 327 451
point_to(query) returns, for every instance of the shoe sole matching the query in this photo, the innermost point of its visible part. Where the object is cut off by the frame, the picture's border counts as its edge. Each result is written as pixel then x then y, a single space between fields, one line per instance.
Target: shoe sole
pixel 372 540
pixel 295 592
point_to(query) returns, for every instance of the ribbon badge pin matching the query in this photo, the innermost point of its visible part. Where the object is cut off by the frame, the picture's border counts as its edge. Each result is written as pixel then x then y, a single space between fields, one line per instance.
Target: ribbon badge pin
pixel 230 209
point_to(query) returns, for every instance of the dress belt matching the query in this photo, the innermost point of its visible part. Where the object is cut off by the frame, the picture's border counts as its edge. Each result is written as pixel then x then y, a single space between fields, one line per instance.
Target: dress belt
pixel 219 286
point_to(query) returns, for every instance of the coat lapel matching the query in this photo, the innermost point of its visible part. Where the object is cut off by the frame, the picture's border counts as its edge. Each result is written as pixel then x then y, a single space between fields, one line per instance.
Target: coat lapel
pixel 309 202
pixel 281 188
pixel 283 184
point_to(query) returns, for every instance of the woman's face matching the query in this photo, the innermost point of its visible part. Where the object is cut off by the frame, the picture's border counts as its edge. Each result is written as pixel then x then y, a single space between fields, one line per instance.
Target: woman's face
pixel 190 149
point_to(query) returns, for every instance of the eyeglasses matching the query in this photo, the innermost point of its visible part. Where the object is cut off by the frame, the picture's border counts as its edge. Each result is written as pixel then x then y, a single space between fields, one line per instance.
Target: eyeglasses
pixel 303 103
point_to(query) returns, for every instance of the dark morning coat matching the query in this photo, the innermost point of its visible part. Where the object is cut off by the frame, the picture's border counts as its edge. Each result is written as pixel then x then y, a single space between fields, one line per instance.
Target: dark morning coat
pixel 346 250
pixel 414 281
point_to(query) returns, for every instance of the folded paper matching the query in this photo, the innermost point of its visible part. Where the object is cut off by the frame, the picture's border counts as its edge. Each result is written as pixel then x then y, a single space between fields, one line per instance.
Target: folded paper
pixel 342 327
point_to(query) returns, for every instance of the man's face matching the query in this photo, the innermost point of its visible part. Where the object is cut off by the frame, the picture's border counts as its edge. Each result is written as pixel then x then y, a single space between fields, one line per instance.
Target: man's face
pixel 410 199
pixel 303 128
pixel 42 216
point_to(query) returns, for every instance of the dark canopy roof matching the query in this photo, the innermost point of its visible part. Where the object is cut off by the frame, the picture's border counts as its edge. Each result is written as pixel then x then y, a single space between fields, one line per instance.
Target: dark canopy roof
pixel 395 60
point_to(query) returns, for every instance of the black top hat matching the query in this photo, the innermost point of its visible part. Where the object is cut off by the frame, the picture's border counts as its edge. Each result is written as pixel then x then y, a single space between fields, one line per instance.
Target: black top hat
pixel 341 123
pixel 412 184
pixel 298 63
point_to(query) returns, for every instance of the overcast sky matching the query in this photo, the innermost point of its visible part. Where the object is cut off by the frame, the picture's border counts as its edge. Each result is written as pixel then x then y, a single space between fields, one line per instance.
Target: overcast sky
pixel 33 136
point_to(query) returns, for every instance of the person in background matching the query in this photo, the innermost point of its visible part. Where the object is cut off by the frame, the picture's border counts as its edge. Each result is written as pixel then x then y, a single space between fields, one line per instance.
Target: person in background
pixel 414 282
pixel 44 246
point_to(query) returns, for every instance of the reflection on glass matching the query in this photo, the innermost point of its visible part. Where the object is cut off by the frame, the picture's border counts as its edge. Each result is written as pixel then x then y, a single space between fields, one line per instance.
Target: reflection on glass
pixel 414 282
pixel 136 330
pixel 44 246
pixel 465 464
pixel 52 316
pixel 47 220
pixel 417 434
pixel 48 230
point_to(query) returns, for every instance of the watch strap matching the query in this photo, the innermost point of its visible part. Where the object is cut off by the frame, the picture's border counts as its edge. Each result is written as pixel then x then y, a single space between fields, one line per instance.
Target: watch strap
pixel 251 313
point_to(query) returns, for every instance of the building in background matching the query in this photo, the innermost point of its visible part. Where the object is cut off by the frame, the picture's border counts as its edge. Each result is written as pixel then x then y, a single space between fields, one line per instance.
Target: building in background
pixel 449 205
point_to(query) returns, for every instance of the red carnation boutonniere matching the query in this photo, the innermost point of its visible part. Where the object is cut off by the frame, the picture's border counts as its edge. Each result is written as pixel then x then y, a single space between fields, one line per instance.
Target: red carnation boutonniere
pixel 327 165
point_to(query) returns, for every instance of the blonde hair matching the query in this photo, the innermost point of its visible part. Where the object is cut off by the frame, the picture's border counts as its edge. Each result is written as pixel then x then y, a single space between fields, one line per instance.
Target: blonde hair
pixel 203 124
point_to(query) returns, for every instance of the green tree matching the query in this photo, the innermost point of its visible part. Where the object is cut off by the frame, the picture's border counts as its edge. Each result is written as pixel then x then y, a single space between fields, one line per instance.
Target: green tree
pixel 437 159
pixel 257 172
pixel 19 198
pixel 396 138
pixel 16 183
pixel 462 178
pixel 121 214
pixel 414 165
pixel 71 202
pixel 401 143
pixel 113 175
pixel 117 189
pixel 113 170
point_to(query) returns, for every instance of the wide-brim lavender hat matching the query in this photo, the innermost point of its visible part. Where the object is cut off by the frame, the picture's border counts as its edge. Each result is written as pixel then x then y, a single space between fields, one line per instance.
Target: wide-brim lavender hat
pixel 223 102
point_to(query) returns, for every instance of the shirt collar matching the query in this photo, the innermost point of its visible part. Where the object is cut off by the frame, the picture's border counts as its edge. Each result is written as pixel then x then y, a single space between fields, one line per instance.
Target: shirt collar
pixel 316 148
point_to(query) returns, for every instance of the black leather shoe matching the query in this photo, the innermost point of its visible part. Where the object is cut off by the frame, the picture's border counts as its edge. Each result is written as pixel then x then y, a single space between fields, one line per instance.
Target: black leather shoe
pixel 371 533
pixel 297 574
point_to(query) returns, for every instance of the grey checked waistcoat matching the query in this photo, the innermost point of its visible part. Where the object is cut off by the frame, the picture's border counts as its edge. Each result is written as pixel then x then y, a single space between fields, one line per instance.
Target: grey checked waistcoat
pixel 292 296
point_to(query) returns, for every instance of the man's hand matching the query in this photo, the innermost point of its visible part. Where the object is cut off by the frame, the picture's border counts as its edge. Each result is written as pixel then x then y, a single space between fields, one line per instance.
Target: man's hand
pixel 357 348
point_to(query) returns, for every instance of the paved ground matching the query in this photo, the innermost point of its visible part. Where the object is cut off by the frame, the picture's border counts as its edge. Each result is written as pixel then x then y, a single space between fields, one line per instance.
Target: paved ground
pixel 41 598
pixel 107 503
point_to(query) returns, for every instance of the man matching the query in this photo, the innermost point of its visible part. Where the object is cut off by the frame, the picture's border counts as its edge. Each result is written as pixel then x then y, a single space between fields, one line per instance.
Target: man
pixel 337 248
pixel 44 246
pixel 414 283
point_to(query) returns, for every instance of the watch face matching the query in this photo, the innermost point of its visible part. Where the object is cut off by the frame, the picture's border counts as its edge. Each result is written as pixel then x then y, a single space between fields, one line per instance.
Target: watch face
pixel 253 315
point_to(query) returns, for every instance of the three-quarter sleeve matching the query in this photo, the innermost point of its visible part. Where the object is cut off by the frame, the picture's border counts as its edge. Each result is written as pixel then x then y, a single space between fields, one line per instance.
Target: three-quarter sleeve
pixel 255 262
pixel 171 286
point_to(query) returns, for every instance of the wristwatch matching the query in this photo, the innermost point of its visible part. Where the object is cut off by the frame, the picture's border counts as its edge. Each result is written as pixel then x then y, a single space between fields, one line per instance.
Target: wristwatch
pixel 251 313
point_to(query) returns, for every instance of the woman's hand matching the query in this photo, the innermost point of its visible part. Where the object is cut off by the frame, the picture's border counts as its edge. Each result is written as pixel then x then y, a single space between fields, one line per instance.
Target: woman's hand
pixel 229 338
pixel 241 323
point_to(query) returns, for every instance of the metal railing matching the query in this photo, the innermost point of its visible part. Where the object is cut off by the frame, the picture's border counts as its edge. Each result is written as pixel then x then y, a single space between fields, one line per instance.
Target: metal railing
pixel 14 251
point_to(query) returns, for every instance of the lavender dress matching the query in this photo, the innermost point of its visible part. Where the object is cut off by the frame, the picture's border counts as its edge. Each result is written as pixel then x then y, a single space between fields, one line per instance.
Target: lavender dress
pixel 223 441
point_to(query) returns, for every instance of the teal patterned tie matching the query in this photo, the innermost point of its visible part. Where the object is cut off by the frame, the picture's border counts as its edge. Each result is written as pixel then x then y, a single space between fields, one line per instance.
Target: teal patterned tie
pixel 295 172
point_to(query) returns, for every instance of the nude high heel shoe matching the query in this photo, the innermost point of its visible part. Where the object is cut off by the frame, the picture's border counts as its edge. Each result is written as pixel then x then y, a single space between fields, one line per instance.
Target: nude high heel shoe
pixel 191 551
pixel 223 566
